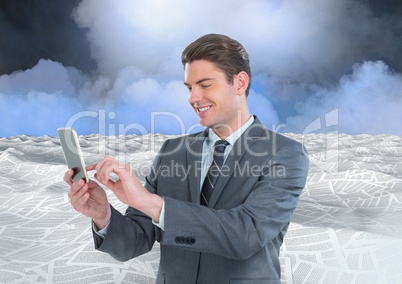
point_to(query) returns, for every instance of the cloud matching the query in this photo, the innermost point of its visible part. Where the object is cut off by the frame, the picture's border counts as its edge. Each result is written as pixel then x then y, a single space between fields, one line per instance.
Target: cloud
pixel 38 99
pixel 367 101
pixel 307 57
pixel 47 76
pixel 296 47
pixel 35 113
pixel 309 41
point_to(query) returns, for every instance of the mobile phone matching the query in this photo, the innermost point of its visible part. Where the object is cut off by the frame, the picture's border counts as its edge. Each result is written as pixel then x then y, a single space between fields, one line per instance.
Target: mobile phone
pixel 72 153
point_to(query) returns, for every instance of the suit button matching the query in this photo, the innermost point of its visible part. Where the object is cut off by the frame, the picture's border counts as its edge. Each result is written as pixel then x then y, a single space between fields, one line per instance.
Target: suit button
pixel 185 240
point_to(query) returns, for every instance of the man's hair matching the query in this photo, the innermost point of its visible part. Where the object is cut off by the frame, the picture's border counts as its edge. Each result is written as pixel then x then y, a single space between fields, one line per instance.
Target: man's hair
pixel 227 54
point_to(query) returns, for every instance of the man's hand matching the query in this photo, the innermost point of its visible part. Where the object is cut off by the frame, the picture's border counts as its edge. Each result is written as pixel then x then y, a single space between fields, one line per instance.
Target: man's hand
pixel 89 199
pixel 128 189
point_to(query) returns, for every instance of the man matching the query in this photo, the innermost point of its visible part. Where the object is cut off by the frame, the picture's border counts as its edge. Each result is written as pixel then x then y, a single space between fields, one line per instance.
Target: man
pixel 224 231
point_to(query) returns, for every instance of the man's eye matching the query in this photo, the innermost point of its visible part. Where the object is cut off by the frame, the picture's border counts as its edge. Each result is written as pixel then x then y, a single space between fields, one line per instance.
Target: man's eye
pixel 205 86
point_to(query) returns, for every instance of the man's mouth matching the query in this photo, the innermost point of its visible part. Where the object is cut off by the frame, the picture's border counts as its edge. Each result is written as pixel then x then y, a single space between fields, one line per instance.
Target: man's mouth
pixel 203 109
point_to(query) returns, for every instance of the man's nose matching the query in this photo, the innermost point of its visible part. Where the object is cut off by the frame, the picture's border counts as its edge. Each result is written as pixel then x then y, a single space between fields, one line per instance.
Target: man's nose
pixel 195 96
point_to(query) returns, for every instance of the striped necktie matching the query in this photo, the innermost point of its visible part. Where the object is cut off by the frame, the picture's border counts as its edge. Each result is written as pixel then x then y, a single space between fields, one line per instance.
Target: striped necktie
pixel 213 172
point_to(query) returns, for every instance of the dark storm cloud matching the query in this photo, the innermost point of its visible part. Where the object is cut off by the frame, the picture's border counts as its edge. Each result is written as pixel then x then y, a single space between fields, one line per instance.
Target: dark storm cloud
pixel 40 29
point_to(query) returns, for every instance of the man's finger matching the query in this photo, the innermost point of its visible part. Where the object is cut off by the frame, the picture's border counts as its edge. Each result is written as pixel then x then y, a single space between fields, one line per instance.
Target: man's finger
pixel 76 187
pixel 77 190
pixel 91 167
pixel 68 176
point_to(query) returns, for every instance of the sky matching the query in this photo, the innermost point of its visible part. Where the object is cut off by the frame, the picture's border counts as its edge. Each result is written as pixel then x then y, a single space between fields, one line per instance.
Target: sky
pixel 114 68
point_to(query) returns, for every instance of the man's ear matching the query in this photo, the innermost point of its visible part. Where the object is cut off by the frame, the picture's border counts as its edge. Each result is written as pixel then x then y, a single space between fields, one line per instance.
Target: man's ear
pixel 242 81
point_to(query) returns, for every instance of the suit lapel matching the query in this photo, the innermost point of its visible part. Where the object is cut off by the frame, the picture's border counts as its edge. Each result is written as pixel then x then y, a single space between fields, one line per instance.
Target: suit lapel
pixel 242 145
pixel 194 155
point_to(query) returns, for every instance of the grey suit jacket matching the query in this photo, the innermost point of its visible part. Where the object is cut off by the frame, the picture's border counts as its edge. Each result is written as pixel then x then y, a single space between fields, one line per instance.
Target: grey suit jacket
pixel 237 238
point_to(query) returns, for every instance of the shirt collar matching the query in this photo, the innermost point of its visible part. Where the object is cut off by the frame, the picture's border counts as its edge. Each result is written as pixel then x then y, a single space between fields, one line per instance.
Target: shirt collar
pixel 232 138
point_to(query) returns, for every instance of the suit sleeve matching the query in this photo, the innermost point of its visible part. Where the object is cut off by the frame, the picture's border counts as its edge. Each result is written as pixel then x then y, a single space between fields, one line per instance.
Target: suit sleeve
pixel 242 231
pixel 128 235
pixel 131 234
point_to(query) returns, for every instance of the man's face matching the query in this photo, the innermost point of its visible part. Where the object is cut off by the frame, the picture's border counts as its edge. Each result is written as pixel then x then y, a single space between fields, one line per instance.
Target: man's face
pixel 215 101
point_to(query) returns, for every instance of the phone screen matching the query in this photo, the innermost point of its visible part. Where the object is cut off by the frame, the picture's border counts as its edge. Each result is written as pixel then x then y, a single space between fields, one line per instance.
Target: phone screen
pixel 72 153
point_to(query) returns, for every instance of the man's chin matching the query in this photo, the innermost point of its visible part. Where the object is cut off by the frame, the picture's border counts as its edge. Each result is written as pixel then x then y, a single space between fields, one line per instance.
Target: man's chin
pixel 203 123
pixel 208 124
